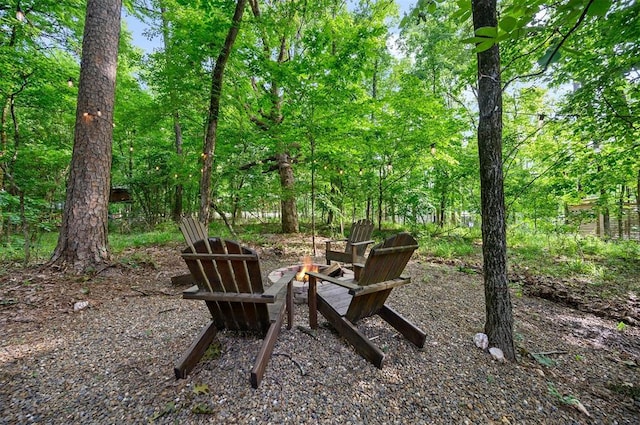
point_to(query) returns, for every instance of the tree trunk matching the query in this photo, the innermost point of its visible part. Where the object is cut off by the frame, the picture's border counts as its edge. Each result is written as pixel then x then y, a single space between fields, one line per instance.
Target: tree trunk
pixel 621 212
pixel 606 217
pixel 380 193
pixel 214 112
pixel 443 206
pixel 499 315
pixel 82 243
pixel 176 210
pixel 8 104
pixel 288 200
pixel 627 229
pixel 329 217
pixel 312 143
pixel 266 120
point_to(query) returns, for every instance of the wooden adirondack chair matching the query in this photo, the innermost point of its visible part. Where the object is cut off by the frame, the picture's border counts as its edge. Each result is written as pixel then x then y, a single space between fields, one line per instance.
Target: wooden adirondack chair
pixel 229 281
pixel 344 302
pixel 356 244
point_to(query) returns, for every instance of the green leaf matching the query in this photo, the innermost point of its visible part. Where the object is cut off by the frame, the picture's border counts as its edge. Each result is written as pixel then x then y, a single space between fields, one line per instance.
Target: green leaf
pixel 508 23
pixel 491 32
pixel 504 36
pixel 461 14
pixel 485 45
pixel 464 4
pixel 543 360
pixel 547 58
pixel 473 40
pixel 202 409
pixel 599 8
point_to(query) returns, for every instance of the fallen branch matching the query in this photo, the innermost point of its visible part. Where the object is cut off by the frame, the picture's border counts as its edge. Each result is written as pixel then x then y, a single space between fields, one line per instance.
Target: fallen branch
pixel 167 310
pixel 302 372
pixel 547 353
pixel 308 331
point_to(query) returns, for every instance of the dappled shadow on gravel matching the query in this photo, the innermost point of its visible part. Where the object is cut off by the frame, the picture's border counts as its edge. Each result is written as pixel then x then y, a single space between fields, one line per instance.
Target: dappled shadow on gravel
pixel 112 362
pixel 621 307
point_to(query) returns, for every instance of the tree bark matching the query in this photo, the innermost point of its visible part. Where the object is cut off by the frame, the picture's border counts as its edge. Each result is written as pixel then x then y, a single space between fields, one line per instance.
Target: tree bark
pixel 214 112
pixel 82 243
pixel 499 315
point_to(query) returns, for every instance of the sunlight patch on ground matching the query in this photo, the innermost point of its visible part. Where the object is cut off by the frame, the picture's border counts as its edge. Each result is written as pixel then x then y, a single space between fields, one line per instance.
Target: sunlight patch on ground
pixel 15 352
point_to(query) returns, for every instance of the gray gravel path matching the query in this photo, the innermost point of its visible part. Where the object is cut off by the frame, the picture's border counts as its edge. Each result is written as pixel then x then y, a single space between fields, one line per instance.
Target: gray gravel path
pixel 112 364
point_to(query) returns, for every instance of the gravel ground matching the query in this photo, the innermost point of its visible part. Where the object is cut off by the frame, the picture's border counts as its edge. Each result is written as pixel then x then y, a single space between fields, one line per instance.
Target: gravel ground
pixel 113 362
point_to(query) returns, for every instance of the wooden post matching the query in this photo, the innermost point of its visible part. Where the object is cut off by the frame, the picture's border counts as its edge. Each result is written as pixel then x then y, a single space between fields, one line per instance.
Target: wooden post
pixel 313 303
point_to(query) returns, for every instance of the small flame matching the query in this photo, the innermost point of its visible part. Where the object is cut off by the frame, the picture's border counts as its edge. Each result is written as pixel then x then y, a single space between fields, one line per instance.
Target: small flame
pixel 307 266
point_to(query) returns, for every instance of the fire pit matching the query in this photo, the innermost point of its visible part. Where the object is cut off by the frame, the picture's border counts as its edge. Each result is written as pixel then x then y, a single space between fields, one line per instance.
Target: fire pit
pixel 301 281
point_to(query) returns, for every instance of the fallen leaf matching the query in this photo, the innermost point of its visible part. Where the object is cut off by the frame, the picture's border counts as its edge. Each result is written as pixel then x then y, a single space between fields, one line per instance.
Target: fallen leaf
pixel 578 405
pixel 201 389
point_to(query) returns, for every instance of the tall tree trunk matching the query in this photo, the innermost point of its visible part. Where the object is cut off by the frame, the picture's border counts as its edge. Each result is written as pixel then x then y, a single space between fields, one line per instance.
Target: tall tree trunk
pixel 638 202
pixel 606 217
pixel 82 243
pixel 499 315
pixel 312 143
pixel 621 212
pixel 442 208
pixel 7 105
pixel 380 194
pixel 627 224
pixel 176 209
pixel 288 198
pixel 266 121
pixel 214 112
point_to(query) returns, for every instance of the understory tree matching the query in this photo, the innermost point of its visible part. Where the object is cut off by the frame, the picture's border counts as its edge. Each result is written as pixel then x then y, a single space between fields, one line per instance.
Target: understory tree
pixel 499 316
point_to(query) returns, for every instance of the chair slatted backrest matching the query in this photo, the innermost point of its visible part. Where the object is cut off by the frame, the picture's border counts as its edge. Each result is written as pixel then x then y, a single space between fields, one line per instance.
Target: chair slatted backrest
pixel 385 262
pixel 361 231
pixel 193 230
pixel 228 267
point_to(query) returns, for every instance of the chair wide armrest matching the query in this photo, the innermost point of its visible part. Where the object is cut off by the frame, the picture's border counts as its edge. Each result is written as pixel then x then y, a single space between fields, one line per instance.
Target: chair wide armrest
pixel 362 243
pixel 275 289
pixel 381 286
pixel 229 297
pixel 323 277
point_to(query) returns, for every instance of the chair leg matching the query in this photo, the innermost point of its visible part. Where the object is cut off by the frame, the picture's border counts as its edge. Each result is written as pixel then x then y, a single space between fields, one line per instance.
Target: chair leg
pixel 402 325
pixel 195 352
pixel 348 331
pixel 312 296
pixel 266 350
pixel 289 301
